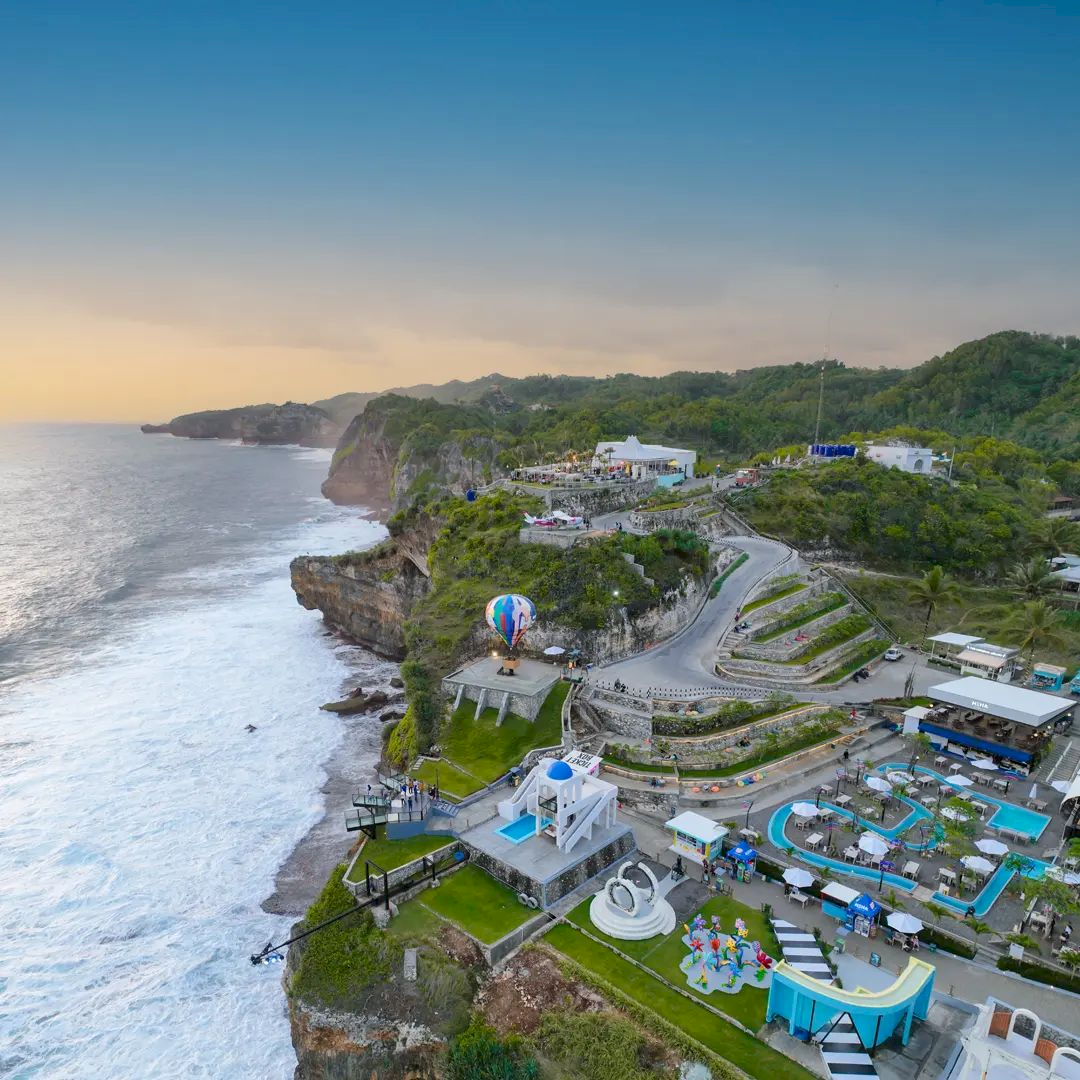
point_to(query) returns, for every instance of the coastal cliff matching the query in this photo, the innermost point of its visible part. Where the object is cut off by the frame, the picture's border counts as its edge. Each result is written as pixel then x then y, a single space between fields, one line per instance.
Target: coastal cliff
pixel 272 425
pixel 399 451
pixel 366 595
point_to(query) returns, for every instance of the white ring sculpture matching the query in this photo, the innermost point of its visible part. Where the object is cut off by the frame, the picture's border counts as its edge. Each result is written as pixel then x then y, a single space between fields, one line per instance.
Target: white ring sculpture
pixel 644 913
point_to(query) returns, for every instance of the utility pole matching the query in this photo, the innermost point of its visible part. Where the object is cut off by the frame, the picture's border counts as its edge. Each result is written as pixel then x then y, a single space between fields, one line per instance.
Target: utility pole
pixel 820 402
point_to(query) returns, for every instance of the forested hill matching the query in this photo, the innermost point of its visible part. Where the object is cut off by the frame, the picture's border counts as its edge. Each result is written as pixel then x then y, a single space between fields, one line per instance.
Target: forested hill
pixel 1021 386
pixel 1025 387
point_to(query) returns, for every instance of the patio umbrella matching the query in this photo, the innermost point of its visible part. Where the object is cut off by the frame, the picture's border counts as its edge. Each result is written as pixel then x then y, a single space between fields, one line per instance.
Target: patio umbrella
pixel 1034 792
pixel 801 879
pixel 951 813
pixel 878 784
pixel 904 923
pixel 901 778
pixel 1060 786
pixel 960 781
pixel 977 863
pixel 992 847
pixel 554 650
pixel 804 809
pixel 873 844
pixel 986 764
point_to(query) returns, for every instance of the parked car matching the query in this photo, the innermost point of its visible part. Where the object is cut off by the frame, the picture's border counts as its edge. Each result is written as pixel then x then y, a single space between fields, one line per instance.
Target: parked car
pixel 893 654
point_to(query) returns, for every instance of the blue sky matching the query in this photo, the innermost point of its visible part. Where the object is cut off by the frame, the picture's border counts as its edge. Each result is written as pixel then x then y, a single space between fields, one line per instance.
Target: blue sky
pixel 358 195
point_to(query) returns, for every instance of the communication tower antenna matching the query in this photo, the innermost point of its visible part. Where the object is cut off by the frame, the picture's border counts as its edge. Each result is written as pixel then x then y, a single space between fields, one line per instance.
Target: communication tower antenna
pixel 824 358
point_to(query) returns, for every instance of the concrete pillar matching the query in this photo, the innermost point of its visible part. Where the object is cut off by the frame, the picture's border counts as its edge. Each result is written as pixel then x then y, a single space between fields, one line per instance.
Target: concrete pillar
pixel 458 696
pixel 481 701
pixel 503 709
pixel 907 1022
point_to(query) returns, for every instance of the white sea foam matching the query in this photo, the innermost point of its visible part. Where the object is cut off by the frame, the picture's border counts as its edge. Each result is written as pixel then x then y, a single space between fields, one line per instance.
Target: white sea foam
pixel 142 826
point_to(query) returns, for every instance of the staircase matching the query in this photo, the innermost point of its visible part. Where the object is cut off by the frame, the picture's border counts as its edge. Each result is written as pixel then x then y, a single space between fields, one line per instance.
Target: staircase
pixel 843 1051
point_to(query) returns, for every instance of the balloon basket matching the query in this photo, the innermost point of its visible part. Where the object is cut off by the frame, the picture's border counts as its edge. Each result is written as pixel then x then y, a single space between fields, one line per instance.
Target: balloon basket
pixel 509 666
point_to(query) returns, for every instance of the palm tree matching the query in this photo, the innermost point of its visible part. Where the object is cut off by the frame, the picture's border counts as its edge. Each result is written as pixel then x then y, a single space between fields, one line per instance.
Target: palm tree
pixel 1038 626
pixel 938 912
pixel 1056 535
pixel 978 929
pixel 933 588
pixel 1030 580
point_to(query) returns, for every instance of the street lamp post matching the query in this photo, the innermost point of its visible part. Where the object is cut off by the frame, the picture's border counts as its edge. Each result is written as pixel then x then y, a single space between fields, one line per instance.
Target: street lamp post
pixel 885 865
pixel 839 776
pixel 748 806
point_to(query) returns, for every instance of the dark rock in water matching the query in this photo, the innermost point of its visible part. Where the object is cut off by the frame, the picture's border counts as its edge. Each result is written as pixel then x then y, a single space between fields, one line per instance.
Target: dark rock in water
pixel 358 692
pixel 348 707
pixel 378 699
pixel 397 683
pixel 274 425
pixel 392 714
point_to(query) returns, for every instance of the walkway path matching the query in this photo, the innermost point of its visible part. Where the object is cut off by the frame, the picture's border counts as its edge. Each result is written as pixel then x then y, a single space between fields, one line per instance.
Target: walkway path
pixel 801 950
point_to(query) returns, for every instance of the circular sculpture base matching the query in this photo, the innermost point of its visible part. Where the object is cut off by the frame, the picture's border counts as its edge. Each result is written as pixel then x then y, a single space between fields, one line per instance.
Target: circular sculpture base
pixel 620 924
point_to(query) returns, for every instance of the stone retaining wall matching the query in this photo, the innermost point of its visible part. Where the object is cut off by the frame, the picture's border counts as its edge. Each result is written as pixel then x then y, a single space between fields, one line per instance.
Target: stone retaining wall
pixel 398 875
pixel 781 648
pixel 795 673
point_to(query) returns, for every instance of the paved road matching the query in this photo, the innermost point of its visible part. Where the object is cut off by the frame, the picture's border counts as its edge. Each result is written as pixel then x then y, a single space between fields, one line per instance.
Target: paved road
pixel 685 663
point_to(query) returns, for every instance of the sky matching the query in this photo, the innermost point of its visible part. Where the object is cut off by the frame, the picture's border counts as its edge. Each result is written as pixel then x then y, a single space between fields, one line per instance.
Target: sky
pixel 205 205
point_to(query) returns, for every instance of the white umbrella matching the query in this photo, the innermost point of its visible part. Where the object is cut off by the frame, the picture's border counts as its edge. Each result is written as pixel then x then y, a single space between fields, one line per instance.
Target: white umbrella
pixel 901 778
pixel 951 813
pixel 992 847
pixel 801 879
pixel 986 764
pixel 904 923
pixel 872 844
pixel 878 784
pixel 1060 786
pixel 1034 792
pixel 554 650
pixel 804 809
pixel 960 781
pixel 977 863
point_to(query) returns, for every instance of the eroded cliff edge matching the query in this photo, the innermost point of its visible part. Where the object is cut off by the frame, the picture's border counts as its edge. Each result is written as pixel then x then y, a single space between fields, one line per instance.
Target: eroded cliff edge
pixel 366 595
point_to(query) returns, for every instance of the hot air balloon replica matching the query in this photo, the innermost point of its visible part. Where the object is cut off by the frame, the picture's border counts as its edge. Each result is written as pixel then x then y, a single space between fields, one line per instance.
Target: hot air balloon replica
pixel 510 615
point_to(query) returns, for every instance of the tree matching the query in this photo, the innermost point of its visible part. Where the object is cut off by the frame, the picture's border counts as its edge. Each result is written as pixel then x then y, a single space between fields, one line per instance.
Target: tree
pixel 933 588
pixel 978 928
pixel 920 743
pixel 1037 626
pixel 1030 580
pixel 938 912
pixel 1056 535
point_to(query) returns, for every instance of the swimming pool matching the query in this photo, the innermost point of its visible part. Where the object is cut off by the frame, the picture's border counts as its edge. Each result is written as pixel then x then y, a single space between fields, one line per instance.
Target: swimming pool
pixel 517 832
pixel 1017 819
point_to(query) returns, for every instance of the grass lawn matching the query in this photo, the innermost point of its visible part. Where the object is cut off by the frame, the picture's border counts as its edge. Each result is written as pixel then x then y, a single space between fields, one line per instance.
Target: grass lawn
pixel 477 903
pixel 390 854
pixel 664 954
pixel 869 650
pixel 414 923
pixel 454 785
pixel 488 751
pixel 742 1050
pixel 771 598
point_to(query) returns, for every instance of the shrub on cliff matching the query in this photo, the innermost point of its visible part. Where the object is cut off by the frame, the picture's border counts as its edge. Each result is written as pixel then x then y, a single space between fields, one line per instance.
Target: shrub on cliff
pixel 479 1054
pixel 403 743
pixel 343 960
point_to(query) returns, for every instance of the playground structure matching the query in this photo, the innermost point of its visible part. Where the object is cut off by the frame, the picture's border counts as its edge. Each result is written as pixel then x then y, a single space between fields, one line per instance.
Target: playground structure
pixel 811 1006
pixel 722 961
pixel 624 910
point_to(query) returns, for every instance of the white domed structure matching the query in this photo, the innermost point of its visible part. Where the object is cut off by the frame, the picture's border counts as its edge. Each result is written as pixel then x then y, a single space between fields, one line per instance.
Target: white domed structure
pixel 627 911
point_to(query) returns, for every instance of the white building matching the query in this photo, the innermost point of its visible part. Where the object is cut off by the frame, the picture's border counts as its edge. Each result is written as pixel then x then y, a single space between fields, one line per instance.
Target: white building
pixel 642 460
pixel 912 459
pixel 565 800
pixel 1014 1045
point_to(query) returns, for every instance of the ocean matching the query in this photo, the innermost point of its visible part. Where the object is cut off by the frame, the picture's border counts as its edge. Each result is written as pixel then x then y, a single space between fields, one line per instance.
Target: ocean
pixel 146 618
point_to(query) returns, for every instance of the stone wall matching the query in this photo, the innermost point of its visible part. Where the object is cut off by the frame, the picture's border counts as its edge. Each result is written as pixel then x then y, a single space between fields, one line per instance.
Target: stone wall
pixel 547 893
pixel 685 517
pixel 397 876
pixel 783 647
pixel 794 673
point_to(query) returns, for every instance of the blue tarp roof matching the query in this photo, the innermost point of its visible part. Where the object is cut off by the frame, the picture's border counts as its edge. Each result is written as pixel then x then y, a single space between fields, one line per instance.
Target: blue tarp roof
pixel 864 905
pixel 742 852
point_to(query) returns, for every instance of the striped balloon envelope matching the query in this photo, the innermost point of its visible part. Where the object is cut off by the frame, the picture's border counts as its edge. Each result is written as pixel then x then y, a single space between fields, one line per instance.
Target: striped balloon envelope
pixel 510 615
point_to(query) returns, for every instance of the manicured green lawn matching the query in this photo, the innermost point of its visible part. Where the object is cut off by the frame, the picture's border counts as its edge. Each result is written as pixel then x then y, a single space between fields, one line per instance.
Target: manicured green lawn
pixel 390 854
pixel 744 1051
pixel 414 923
pixel 488 751
pixel 664 954
pixel 454 785
pixel 771 598
pixel 477 903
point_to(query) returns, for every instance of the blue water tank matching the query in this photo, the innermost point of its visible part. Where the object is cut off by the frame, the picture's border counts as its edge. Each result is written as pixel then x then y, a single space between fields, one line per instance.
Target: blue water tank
pixel 559 770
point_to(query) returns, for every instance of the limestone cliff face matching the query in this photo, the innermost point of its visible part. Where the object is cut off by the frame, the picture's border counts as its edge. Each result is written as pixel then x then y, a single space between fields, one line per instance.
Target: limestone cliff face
pixel 383 466
pixel 276 425
pixel 367 596
pixel 349 1046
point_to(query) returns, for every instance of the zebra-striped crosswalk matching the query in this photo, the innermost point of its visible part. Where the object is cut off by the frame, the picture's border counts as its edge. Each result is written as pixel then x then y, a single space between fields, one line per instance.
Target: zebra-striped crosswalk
pixel 801 950
pixel 844 1053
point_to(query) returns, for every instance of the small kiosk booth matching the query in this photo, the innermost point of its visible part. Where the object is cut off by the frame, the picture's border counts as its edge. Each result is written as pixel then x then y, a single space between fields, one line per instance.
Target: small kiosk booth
pixel 743 861
pixel 856 911
pixel 695 836
pixel 1047 677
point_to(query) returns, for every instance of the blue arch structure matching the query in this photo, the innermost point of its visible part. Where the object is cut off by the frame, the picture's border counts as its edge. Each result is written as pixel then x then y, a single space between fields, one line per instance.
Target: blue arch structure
pixel 808 1004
